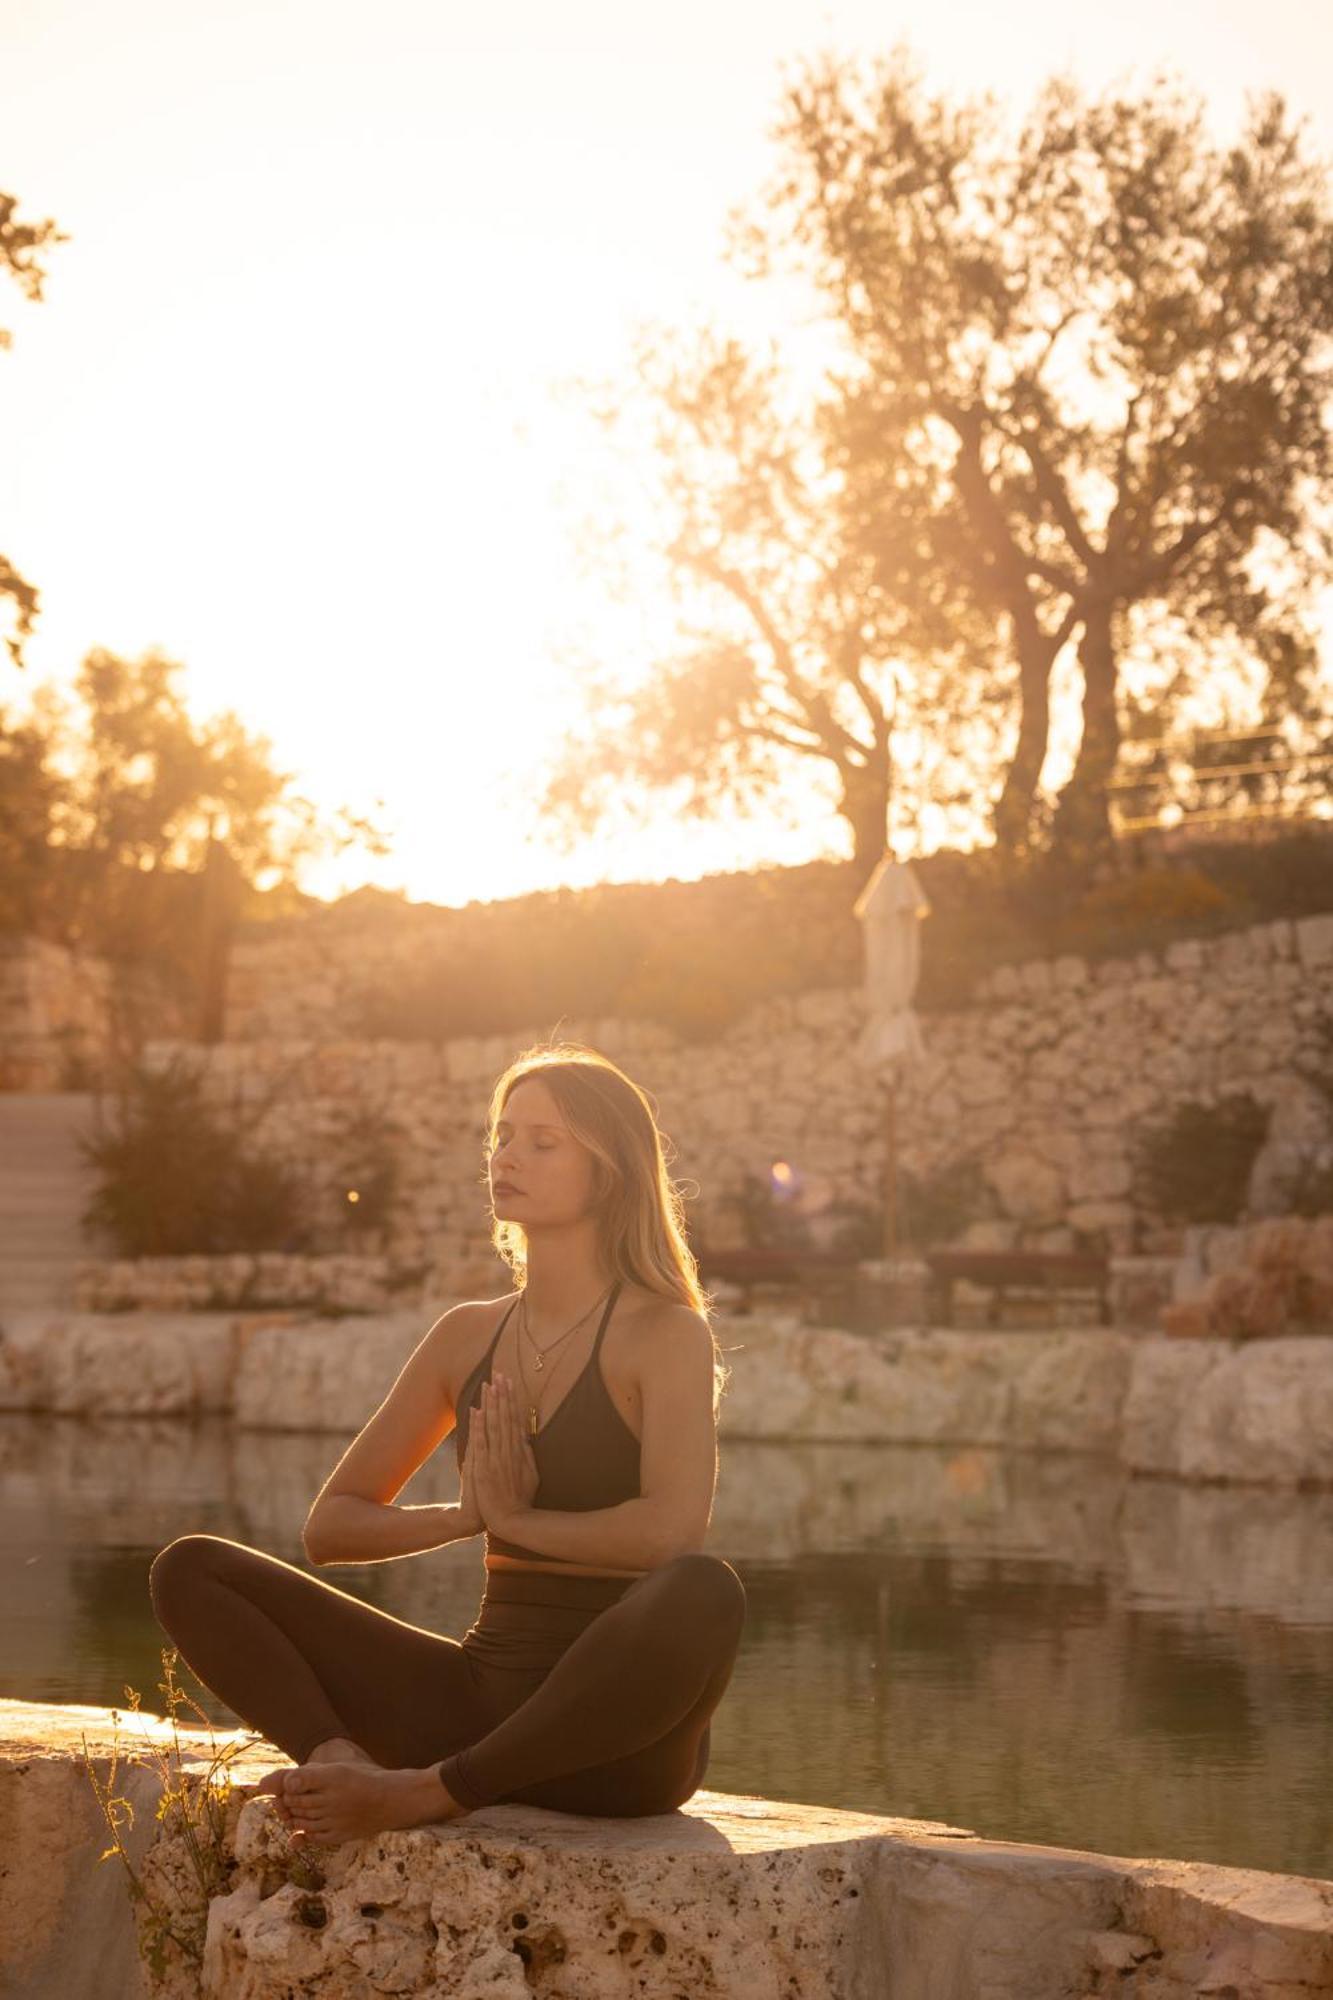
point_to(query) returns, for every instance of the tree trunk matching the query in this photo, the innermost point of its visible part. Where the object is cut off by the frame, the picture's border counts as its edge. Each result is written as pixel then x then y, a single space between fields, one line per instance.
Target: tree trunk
pixel 865 806
pixel 222 890
pixel 1082 814
pixel 1035 649
pixel 1013 808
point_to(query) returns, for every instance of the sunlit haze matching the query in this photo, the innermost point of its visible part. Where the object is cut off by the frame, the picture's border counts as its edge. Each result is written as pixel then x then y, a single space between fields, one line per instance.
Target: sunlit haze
pixel 286 411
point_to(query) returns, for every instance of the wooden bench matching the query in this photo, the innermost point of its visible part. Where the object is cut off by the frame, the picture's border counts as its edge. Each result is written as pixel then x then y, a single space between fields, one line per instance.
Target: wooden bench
pixel 829 1274
pixel 1045 1274
pixel 833 1278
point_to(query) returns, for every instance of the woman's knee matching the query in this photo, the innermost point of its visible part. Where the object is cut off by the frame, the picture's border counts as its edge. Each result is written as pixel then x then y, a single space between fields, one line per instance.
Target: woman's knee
pixel 181 1562
pixel 703 1587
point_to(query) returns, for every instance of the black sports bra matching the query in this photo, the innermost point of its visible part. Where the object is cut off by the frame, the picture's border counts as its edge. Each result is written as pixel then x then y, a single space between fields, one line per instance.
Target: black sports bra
pixel 587 1455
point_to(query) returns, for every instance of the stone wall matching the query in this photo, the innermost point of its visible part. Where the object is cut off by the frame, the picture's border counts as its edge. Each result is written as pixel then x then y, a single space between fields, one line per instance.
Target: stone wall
pixel 67 1017
pixel 55 1015
pixel 1046 1082
pixel 1256 1411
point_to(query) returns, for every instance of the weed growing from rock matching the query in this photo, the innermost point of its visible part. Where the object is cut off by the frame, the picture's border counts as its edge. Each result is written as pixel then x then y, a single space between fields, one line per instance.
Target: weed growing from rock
pixel 191 1860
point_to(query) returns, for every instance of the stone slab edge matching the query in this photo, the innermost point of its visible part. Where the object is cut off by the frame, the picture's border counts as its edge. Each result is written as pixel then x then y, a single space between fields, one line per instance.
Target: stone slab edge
pixel 939 1913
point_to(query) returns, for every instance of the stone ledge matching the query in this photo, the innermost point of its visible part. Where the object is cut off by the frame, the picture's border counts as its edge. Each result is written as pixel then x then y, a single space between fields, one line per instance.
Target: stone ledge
pixel 733 1898
pixel 1254 1411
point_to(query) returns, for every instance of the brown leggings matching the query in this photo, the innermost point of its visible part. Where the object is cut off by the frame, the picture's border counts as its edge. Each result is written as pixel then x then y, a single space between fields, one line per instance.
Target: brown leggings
pixel 584 1694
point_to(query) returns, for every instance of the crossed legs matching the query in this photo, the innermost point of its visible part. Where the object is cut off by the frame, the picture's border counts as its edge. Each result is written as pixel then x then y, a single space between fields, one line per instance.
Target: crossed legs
pixel 619 1725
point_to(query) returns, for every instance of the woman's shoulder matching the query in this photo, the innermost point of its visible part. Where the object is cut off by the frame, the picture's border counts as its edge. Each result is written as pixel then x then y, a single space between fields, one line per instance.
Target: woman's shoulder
pixel 461 1335
pixel 651 1319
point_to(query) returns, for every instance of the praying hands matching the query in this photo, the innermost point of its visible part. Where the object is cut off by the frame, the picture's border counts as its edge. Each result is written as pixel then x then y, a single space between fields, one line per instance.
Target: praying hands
pixel 498 1467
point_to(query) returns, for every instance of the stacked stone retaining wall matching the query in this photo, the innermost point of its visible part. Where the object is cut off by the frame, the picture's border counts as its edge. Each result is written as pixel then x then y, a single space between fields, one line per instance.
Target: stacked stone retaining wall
pixel 1255 1410
pixel 1046 1083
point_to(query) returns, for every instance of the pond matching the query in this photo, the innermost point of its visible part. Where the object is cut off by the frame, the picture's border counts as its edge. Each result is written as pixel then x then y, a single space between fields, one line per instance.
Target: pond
pixel 1034 1646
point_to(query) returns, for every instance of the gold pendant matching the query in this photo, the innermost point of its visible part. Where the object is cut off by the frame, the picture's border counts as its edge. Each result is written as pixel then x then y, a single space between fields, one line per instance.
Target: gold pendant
pixel 532 1421
pixel 540 1362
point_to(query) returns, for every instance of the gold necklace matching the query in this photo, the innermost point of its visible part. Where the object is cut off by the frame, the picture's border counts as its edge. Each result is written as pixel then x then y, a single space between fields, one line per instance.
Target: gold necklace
pixel 542 1352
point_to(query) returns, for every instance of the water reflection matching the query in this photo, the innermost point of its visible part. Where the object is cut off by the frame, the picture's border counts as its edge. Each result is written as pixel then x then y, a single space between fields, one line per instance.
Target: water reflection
pixel 1035 1646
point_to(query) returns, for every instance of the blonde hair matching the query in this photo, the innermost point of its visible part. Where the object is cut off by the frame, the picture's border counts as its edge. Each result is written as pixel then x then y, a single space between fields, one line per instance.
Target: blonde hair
pixel 639 1207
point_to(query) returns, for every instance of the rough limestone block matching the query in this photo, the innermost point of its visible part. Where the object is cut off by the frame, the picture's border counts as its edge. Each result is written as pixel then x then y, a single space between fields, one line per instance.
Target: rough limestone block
pixel 66 1922
pixel 25 1361
pixel 140 1364
pixel 1069 1391
pixel 306 1374
pixel 733 1898
pixel 1264 1413
pixel 1164 1377
pixel 1314 942
pixel 909 1387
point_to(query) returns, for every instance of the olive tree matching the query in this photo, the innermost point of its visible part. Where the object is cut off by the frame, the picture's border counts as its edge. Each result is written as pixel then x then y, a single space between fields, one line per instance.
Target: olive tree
pixel 1104 336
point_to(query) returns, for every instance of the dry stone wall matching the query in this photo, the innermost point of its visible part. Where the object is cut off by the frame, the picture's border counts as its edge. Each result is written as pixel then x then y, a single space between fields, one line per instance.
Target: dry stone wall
pixel 66 1017
pixel 1045 1082
pixel 55 1014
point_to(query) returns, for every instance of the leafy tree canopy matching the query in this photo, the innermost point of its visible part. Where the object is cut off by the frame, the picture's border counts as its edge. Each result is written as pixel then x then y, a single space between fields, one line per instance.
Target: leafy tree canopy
pixel 1107 338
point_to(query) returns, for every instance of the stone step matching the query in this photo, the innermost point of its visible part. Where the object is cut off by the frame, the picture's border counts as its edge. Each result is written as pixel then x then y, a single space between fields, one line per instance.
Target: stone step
pixel 46 1183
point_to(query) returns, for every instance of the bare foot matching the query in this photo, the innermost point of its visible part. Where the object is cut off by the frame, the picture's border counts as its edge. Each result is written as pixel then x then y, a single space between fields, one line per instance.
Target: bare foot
pixel 333 1750
pixel 328 1802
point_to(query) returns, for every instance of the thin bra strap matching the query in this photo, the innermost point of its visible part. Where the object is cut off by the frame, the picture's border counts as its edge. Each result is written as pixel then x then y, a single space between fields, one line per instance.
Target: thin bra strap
pixel 616 1290
pixel 490 1351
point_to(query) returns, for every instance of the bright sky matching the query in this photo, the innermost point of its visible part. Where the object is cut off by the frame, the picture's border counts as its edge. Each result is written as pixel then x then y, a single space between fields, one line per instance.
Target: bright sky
pixel 286 410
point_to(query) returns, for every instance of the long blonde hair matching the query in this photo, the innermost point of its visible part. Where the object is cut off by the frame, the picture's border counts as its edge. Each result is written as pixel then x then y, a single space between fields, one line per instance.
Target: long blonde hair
pixel 639 1206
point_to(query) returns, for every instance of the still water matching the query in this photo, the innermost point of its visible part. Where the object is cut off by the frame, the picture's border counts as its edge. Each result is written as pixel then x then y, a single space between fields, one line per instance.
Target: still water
pixel 1034 1646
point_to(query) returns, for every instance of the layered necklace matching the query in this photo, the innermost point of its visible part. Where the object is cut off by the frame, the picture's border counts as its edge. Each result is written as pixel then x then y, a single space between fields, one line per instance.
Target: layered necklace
pixel 525 1333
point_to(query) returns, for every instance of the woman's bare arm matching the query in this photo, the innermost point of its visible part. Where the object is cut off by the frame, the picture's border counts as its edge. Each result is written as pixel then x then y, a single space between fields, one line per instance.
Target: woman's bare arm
pixel 354 1519
pixel 677 1463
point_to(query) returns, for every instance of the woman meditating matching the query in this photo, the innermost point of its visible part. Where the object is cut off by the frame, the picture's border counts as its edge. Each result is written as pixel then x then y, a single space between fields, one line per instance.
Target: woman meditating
pixel 585 1408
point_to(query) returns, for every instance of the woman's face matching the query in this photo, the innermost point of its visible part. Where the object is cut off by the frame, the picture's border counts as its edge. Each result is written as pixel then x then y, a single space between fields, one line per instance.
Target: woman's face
pixel 541 1175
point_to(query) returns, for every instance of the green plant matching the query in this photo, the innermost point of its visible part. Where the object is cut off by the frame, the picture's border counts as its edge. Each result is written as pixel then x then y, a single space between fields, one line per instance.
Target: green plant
pixel 176 1179
pixel 936 1208
pixel 1196 1166
pixel 364 1164
pixel 193 1811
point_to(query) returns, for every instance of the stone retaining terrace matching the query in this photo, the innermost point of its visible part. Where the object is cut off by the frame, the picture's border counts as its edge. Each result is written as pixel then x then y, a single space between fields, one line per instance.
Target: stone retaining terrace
pixel 1251 1410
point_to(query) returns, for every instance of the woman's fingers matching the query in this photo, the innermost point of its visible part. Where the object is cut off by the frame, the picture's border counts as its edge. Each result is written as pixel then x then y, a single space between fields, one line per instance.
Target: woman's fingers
pixel 521 1466
pixel 511 1432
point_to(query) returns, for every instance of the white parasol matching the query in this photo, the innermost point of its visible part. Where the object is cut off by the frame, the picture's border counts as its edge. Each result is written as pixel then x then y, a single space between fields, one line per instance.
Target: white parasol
pixel 890 909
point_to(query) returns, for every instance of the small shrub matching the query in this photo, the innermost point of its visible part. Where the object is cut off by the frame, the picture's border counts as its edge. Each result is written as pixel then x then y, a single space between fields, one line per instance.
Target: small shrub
pixel 936 1208
pixel 1196 1167
pixel 1284 1283
pixel 175 1180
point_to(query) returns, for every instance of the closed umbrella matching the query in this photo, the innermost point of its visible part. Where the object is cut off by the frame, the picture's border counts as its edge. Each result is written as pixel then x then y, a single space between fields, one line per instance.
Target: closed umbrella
pixel 890 909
